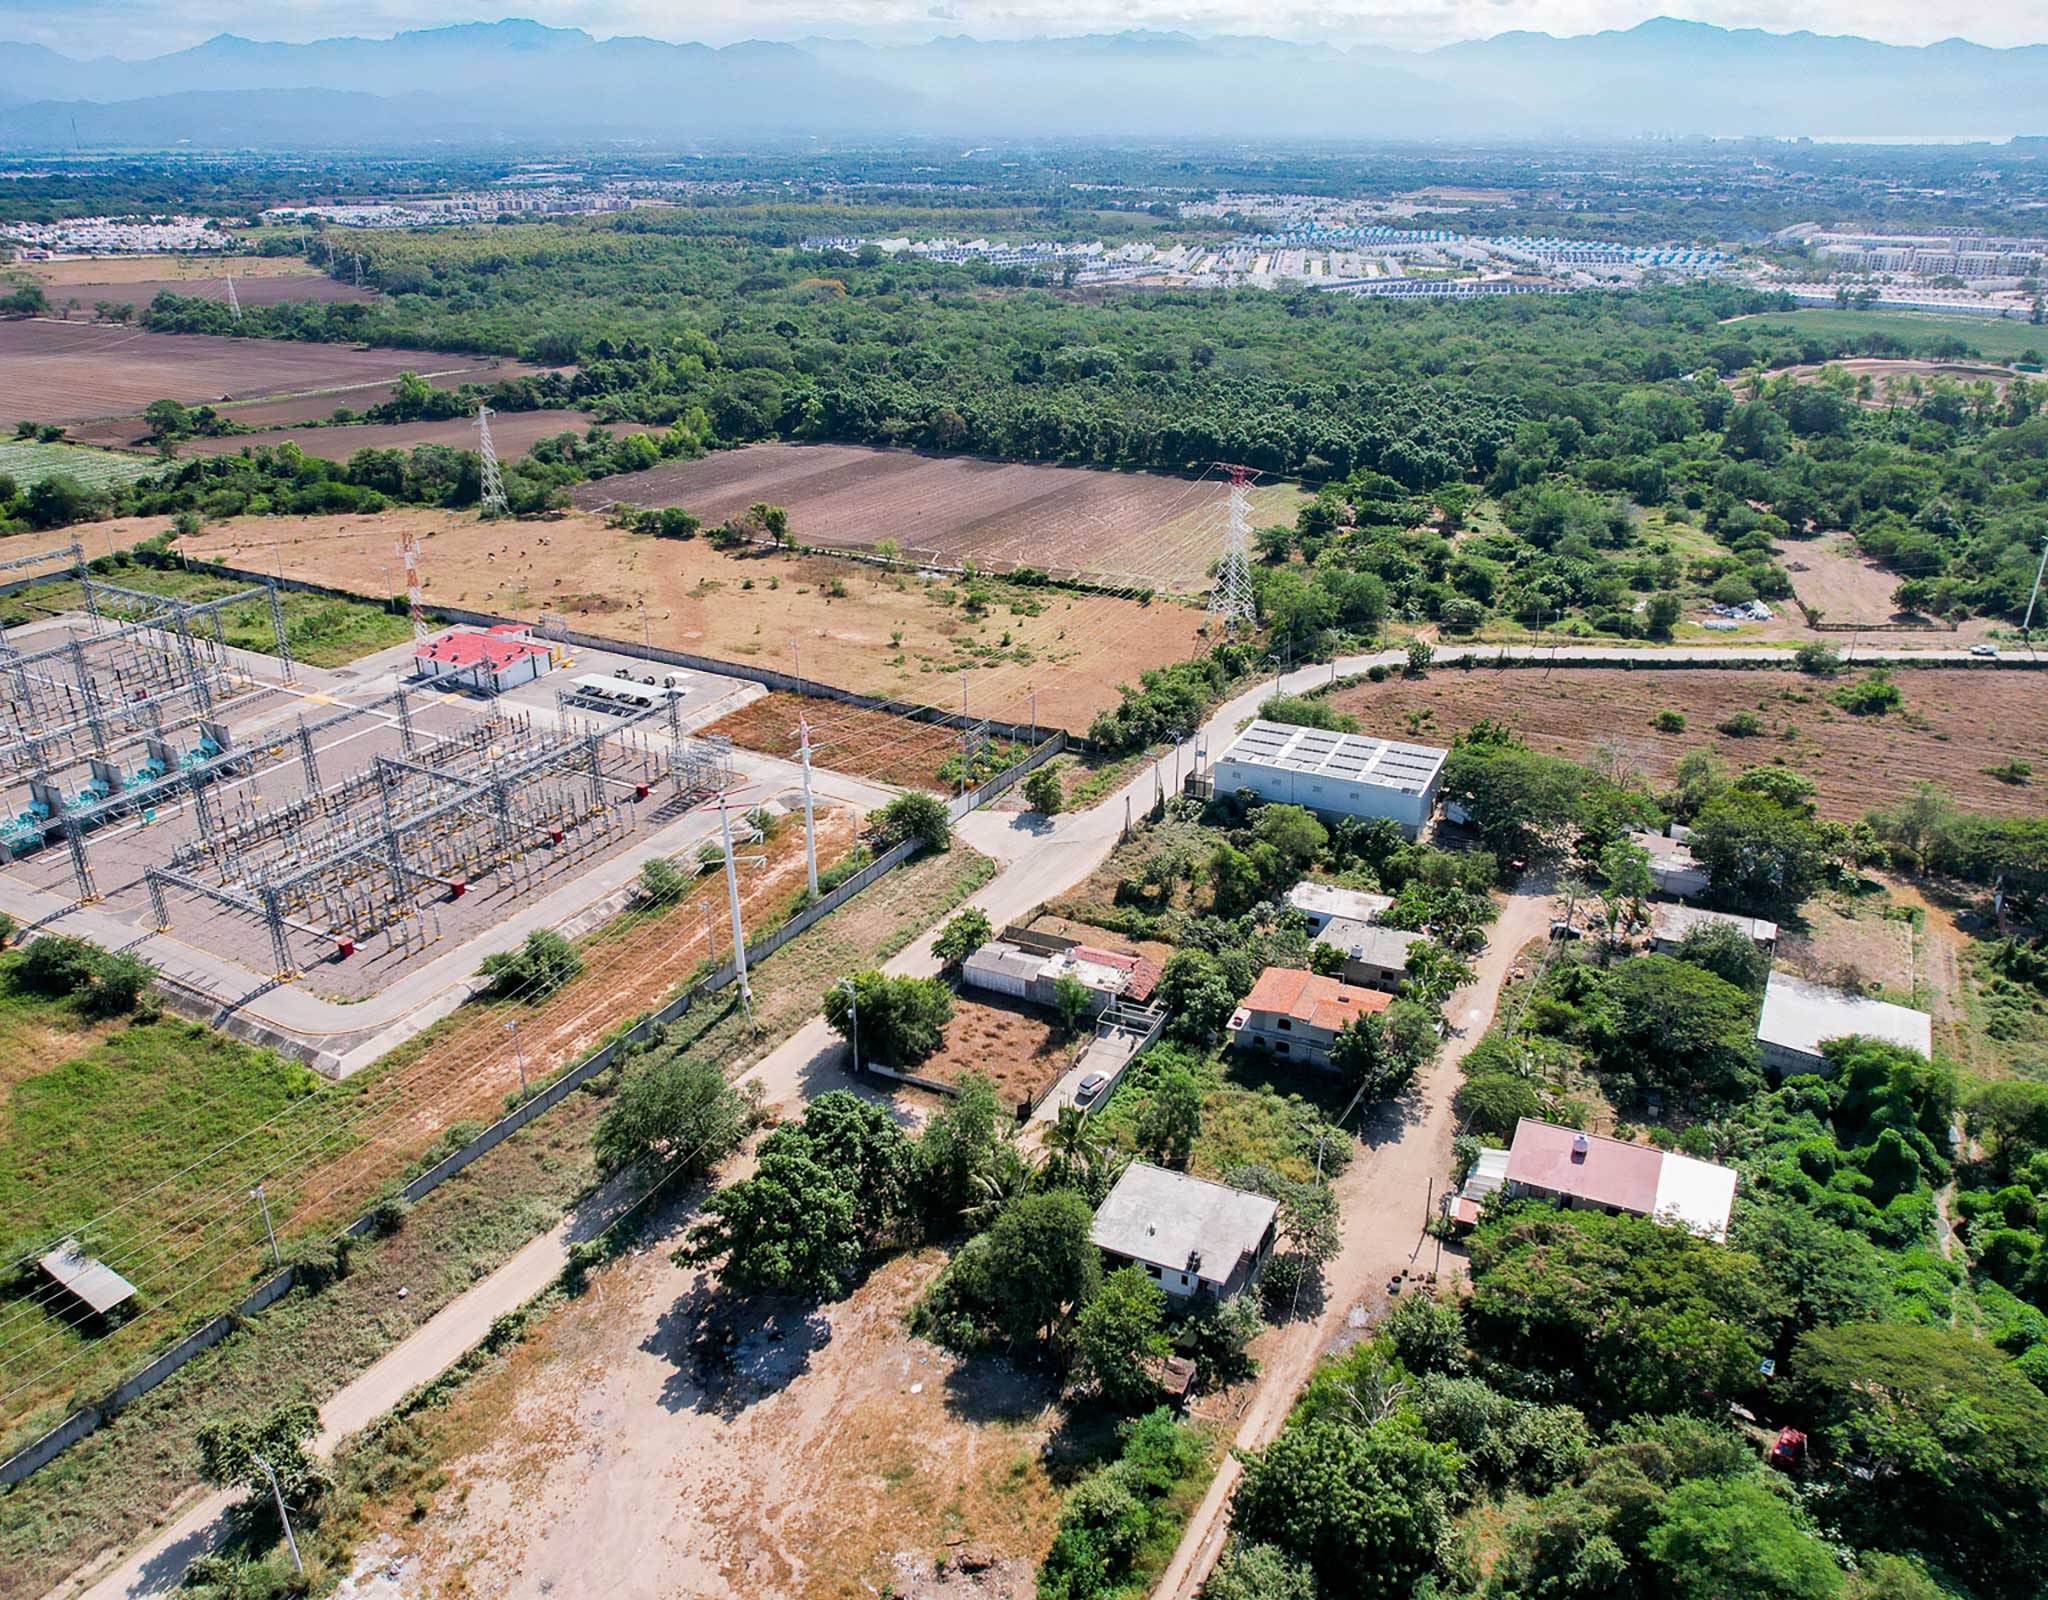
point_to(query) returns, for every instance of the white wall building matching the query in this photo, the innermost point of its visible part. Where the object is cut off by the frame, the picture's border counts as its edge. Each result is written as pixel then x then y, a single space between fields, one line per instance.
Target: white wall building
pixel 1799 1017
pixel 1337 774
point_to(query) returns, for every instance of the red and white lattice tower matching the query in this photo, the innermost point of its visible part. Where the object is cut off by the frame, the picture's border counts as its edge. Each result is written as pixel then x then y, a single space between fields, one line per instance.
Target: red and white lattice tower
pixel 1230 597
pixel 409 548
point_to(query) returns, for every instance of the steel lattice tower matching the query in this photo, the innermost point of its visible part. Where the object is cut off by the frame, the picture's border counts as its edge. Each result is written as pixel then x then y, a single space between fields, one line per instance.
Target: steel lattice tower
pixel 1230 597
pixel 495 504
pixel 234 304
pixel 409 548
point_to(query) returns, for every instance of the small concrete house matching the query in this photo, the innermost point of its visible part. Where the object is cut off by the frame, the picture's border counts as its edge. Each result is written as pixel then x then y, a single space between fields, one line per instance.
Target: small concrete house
pixel 1033 975
pixel 492 661
pixel 1799 1017
pixel 1194 1238
pixel 1670 924
pixel 1320 904
pixel 1374 957
pixel 1673 868
pixel 1299 1014
pixel 1591 1172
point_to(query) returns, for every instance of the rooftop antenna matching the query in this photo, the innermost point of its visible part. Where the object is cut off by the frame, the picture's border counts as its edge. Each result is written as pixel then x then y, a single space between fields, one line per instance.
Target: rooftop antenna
pixel 495 503
pixel 409 548
pixel 234 305
pixel 1230 598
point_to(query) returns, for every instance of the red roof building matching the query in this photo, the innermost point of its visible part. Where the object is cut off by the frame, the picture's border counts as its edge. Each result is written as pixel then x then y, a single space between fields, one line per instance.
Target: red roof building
pixel 1298 1014
pixel 490 661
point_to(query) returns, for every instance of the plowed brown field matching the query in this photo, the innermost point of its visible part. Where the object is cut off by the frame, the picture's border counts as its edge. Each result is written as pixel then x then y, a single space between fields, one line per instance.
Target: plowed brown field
pixel 1954 724
pixel 1143 529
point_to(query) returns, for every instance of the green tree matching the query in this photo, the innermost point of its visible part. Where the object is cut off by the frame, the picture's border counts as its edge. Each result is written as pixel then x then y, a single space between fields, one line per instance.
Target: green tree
pixel 1756 850
pixel 962 936
pixel 915 815
pixel 958 1144
pixel 1729 953
pixel 1366 1508
pixel 1667 1025
pixel 900 1020
pixel 1044 790
pixel 1073 1000
pixel 1421 653
pixel 674 1116
pixel 167 419
pixel 1720 1537
pixel 229 1449
pixel 1259 1572
pixel 1171 1120
pixel 1197 994
pixel 535 970
pixel 1038 1268
pixel 1120 1337
pixel 791 1228
pixel 662 882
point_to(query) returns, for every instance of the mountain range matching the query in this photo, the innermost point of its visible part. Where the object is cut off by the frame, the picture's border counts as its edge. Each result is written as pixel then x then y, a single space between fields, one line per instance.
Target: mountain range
pixel 519 81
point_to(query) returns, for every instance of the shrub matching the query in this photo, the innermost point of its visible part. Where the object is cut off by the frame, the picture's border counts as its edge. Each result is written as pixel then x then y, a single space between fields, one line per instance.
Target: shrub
pixel 535 970
pixel 1816 658
pixel 1872 697
pixel 1669 722
pixel 1043 790
pixel 916 816
pixel 662 881
pixel 1742 725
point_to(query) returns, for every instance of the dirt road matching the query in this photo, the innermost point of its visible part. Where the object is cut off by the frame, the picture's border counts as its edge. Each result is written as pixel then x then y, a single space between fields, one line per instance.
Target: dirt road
pixel 1383 1200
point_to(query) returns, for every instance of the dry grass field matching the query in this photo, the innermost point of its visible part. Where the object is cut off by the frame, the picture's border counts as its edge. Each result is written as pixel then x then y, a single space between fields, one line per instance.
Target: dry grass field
pixel 1142 529
pixel 867 629
pixel 512 432
pixel 76 371
pixel 1954 724
pixel 84 271
pixel 1017 1047
pixel 849 739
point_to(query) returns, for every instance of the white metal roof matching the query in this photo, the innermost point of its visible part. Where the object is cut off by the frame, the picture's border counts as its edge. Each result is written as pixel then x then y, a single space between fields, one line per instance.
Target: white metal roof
pixel 1697 1195
pixel 1799 1016
pixel 89 1278
pixel 1674 922
pixel 1327 900
pixel 1162 1218
pixel 1345 757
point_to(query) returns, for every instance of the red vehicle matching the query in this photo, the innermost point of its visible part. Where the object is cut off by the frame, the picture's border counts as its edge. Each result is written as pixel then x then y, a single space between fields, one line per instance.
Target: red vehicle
pixel 1789 1453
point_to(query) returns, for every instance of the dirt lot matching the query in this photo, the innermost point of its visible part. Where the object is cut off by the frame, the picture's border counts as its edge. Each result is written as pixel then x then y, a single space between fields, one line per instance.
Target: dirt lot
pixel 1016 1046
pixel 512 432
pixel 850 739
pixel 278 289
pixel 1142 528
pixel 834 1458
pixel 75 371
pixel 1955 723
pixel 859 628
pixel 109 270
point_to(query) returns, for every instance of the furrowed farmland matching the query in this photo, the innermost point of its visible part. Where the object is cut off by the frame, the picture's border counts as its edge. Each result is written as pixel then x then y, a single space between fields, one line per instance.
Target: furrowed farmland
pixel 1952 726
pixel 1143 530
pixel 864 628
pixel 76 371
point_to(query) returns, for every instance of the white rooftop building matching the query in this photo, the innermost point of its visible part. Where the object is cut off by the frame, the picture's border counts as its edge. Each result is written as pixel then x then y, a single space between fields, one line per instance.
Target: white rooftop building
pixel 1799 1017
pixel 1191 1236
pixel 1338 774
pixel 1321 903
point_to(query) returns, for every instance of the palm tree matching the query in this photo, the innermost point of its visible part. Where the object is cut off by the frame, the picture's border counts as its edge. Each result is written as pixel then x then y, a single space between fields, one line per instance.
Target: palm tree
pixel 1071 1140
pixel 1005 1177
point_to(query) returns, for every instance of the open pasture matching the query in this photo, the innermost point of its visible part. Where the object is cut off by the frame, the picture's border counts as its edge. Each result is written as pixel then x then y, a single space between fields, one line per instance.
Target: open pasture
pixel 77 371
pixel 1144 530
pixel 1954 724
pixel 512 432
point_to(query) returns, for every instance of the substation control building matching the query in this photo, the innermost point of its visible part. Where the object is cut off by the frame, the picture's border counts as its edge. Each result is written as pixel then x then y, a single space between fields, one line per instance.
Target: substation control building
pixel 1337 774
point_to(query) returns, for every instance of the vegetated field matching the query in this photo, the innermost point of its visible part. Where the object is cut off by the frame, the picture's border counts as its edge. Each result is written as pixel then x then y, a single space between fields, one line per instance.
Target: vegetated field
pixel 1996 338
pixel 321 630
pixel 28 463
pixel 513 433
pixel 1955 723
pixel 75 371
pixel 1018 1047
pixel 81 271
pixel 1883 373
pixel 862 628
pixel 849 739
pixel 277 289
pixel 1142 529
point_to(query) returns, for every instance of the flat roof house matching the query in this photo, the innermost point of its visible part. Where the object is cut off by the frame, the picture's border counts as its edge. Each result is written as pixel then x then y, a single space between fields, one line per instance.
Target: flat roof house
pixel 1799 1017
pixel 1322 903
pixel 1338 774
pixel 1374 956
pixel 1034 975
pixel 1673 868
pixel 1193 1237
pixel 1591 1172
pixel 1299 1014
pixel 493 662
pixel 1670 924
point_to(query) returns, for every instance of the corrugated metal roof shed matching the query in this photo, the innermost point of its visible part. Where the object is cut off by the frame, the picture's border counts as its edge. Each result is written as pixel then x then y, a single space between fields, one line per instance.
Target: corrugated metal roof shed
pixel 1352 757
pixel 87 1277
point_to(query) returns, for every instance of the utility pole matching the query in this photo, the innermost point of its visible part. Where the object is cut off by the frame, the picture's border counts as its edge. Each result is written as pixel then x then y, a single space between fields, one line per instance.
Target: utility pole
pixel 1034 719
pixel 853 1001
pixel 646 640
pixel 276 1260
pixel 283 1515
pixel 810 825
pixel 732 895
pixel 2026 628
pixel 964 732
pixel 518 1054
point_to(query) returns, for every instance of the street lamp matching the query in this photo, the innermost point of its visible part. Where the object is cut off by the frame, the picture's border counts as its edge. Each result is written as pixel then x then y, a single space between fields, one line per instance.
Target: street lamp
pixel 283 1516
pixel 518 1054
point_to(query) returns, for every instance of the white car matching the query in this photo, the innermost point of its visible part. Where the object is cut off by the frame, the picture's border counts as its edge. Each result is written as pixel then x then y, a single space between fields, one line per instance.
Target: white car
pixel 1091 1086
pixel 1990 650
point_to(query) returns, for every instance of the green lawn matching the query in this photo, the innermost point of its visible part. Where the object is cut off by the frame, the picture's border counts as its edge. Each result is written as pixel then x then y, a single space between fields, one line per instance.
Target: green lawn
pixel 1996 339
pixel 28 463
pixel 322 631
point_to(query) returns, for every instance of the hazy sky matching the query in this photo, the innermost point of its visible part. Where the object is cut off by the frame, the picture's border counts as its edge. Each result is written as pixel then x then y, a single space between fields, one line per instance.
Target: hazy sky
pixel 145 27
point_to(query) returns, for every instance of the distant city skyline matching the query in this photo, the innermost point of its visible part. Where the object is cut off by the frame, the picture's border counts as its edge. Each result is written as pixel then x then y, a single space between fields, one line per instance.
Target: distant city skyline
pixel 137 28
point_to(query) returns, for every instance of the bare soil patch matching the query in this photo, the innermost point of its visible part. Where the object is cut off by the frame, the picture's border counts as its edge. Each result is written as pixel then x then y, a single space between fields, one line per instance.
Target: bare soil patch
pixel 871 630
pixel 1142 529
pixel 513 433
pixel 1017 1047
pixel 1955 724
pixel 75 371
pixel 79 271
pixel 849 739
pixel 1843 586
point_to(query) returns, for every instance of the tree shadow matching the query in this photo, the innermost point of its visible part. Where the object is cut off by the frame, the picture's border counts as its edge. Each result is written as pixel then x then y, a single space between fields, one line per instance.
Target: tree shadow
pixel 727 1352
pixel 995 1389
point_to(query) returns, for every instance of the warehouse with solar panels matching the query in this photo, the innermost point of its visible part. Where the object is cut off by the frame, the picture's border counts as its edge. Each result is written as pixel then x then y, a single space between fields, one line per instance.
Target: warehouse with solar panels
pixel 1337 774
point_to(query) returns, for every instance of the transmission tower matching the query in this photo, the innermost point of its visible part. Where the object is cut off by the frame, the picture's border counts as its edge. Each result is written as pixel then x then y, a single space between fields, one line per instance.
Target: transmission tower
pixel 409 548
pixel 1230 598
pixel 495 504
pixel 234 305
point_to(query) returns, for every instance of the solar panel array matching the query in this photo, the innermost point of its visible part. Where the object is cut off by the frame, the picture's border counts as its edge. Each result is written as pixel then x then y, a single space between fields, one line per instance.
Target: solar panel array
pixel 1352 757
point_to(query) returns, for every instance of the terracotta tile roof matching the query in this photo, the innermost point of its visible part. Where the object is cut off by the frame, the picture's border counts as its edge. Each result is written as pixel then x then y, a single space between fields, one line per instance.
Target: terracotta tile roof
pixel 1309 997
